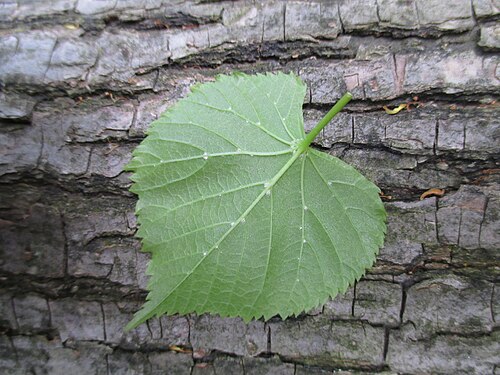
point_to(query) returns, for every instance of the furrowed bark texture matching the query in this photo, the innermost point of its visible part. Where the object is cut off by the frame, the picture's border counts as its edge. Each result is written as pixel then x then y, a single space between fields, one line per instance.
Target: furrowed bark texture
pixel 82 79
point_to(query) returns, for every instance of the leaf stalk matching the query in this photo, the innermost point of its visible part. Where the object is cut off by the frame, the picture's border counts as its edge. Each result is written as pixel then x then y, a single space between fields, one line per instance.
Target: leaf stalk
pixel 346 98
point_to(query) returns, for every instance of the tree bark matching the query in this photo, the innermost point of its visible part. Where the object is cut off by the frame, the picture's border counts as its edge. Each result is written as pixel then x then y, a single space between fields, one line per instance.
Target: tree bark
pixel 80 82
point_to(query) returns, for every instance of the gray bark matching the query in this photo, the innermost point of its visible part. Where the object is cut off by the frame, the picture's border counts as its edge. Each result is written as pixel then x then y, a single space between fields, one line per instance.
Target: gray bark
pixel 80 82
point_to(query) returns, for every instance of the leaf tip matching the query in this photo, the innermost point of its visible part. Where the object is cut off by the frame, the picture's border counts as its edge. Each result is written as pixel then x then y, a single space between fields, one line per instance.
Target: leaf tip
pixel 132 324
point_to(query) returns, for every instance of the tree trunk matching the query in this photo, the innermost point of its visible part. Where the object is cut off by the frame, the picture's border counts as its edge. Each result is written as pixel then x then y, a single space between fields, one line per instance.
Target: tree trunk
pixel 80 82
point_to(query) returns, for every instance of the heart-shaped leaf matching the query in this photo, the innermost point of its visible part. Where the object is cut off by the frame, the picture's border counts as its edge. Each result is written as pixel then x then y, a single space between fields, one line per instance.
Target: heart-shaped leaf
pixel 240 215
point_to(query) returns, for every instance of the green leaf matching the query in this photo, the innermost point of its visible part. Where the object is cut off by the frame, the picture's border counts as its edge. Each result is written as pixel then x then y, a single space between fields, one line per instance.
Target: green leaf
pixel 241 216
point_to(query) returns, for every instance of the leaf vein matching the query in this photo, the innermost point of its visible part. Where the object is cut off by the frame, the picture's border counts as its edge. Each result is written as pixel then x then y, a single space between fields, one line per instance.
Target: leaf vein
pixel 341 204
pixel 203 198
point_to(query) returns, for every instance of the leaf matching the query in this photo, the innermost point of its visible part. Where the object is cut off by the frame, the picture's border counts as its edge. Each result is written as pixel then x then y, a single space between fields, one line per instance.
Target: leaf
pixel 240 215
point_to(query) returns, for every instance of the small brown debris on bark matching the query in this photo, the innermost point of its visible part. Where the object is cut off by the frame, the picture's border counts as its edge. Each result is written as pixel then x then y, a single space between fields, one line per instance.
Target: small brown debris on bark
pixel 178 349
pixel 383 196
pixel 395 110
pixel 432 192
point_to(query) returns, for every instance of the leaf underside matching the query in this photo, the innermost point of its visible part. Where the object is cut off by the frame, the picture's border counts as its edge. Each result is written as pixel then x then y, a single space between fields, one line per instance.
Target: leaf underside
pixel 239 219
